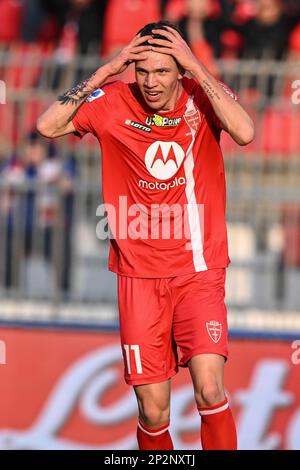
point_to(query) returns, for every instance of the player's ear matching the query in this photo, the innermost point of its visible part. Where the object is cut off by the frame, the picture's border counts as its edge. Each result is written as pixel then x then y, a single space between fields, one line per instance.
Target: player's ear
pixel 181 72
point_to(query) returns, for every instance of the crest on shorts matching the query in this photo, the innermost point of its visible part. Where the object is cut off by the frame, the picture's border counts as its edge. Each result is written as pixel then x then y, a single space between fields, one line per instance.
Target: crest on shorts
pixel 214 329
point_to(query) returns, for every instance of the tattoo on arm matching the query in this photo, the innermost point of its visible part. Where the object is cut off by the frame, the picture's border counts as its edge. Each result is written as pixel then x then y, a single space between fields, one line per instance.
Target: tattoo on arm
pixel 72 115
pixel 209 90
pixel 76 94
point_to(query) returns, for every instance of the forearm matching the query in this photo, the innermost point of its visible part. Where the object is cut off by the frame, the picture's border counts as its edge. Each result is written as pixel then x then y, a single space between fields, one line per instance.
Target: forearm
pixel 56 120
pixel 232 116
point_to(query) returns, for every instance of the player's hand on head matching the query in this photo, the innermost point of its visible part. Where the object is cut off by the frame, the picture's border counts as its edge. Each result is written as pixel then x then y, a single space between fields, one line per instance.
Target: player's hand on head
pixel 134 51
pixel 174 45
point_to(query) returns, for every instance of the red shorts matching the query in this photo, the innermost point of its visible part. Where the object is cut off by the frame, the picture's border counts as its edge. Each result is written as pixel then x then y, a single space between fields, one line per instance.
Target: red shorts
pixel 166 317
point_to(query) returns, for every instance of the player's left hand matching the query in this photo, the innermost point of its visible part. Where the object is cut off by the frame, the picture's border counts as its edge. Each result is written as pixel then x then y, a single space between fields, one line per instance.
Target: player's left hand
pixel 178 48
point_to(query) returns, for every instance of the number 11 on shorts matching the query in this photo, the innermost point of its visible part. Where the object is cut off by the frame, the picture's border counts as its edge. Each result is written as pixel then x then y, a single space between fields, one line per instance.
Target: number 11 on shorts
pixel 137 357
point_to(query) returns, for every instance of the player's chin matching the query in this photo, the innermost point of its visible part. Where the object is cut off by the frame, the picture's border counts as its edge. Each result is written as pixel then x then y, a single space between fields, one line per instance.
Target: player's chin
pixel 154 104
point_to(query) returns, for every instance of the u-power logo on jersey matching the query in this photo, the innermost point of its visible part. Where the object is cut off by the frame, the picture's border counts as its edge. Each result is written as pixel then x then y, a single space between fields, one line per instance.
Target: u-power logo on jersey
pixel 163 159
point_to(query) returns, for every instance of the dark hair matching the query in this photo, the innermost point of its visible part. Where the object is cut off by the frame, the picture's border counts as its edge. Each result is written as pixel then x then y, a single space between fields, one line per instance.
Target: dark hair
pixel 147 30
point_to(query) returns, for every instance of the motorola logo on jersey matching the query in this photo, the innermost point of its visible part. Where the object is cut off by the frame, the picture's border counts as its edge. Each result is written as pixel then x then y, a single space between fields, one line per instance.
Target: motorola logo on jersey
pixel 163 159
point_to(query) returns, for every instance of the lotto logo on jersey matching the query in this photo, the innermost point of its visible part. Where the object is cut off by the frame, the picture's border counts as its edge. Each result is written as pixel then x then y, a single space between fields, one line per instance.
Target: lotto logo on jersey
pixel 163 159
pixel 95 95
pixel 137 125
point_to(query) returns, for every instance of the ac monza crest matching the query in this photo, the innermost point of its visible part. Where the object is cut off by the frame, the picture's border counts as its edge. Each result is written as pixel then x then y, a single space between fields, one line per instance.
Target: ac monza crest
pixel 193 119
pixel 214 329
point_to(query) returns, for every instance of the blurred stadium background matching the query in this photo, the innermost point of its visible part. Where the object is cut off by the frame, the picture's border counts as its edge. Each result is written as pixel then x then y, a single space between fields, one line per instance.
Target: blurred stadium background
pixel 60 360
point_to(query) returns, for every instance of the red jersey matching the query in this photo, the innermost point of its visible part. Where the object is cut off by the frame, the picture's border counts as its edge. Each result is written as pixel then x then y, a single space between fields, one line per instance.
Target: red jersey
pixel 163 180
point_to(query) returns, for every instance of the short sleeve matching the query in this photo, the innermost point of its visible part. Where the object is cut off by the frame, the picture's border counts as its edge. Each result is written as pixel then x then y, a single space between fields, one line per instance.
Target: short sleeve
pixel 93 114
pixel 81 122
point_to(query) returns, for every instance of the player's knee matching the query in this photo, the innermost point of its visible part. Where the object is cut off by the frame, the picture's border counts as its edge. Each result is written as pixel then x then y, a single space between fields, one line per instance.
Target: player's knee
pixel 210 394
pixel 154 415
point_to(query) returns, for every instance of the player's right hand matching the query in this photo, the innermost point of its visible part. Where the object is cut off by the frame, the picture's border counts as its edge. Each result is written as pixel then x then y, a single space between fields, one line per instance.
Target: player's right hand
pixel 130 53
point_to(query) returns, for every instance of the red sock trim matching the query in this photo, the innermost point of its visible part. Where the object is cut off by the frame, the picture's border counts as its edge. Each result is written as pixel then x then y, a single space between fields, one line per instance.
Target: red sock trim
pixel 215 408
pixel 218 428
pixel 151 431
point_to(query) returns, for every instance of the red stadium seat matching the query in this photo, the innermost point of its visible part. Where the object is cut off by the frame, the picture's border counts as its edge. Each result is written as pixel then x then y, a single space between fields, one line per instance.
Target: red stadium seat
pixel 232 43
pixel 8 123
pixel 277 136
pixel 19 76
pixel 249 99
pixel 32 111
pixel 280 135
pixel 124 18
pixel 294 42
pixel 244 11
pixel 10 16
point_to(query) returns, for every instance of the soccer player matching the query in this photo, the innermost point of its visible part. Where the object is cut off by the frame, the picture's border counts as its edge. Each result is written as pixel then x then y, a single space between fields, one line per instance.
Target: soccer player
pixel 162 163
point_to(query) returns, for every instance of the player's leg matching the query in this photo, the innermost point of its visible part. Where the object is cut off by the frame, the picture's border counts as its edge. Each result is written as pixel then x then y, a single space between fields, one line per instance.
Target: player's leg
pixel 217 425
pixel 207 372
pixel 149 354
pixel 154 416
pixel 200 331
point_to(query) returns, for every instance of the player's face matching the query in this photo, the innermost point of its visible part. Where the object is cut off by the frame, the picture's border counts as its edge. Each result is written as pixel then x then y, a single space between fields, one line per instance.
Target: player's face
pixel 159 80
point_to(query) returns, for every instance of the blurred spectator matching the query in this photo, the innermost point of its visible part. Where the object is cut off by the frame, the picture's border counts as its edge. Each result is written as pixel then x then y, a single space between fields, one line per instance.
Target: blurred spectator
pixel 67 187
pixel 33 156
pixel 239 10
pixel 36 211
pixel 73 24
pixel 12 174
pixel 266 35
pixel 89 15
pixel 49 174
pixel 291 6
pixel 201 29
pixel 43 20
